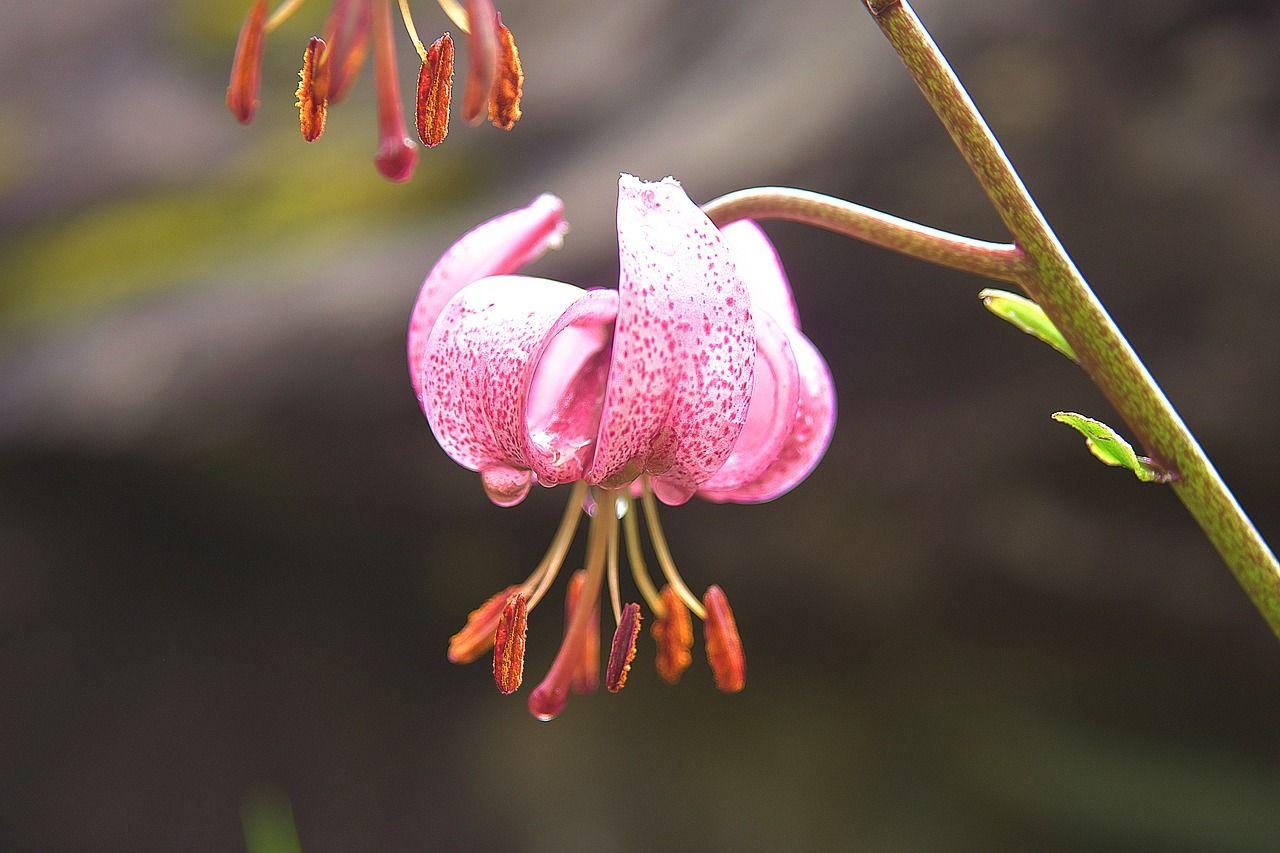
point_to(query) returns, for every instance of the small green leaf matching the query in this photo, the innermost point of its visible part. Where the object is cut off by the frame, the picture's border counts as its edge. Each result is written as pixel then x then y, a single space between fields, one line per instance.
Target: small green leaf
pixel 1027 316
pixel 1106 444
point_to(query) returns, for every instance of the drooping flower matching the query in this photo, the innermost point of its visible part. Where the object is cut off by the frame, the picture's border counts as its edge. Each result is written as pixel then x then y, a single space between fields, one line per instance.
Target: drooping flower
pixel 693 377
pixel 331 64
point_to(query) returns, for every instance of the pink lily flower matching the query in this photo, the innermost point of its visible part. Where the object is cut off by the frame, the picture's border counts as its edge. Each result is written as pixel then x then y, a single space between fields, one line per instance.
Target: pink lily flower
pixel 693 377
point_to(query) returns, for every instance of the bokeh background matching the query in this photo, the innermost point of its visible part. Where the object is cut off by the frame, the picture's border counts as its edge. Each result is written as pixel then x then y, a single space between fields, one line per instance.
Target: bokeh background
pixel 231 553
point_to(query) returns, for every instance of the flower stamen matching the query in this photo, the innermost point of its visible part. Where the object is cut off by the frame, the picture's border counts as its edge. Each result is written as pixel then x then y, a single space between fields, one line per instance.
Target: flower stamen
pixel 724 646
pixel 407 17
pixel 313 89
pixel 663 552
pixel 635 557
pixel 456 13
pixel 348 45
pixel 504 97
pixel 482 68
pixel 246 66
pixel 673 634
pixel 611 560
pixel 476 636
pixel 623 650
pixel 508 644
pixel 282 13
pixel 547 569
pixel 435 91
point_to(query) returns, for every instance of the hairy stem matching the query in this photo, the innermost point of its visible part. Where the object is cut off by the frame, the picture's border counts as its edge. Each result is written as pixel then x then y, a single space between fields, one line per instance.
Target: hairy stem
pixel 1051 279
pixel 1001 261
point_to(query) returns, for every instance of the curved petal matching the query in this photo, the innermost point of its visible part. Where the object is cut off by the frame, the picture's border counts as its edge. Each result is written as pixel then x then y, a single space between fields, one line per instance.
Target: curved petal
pixel 761 270
pixel 683 350
pixel 810 433
pixel 772 413
pixel 483 357
pixel 497 247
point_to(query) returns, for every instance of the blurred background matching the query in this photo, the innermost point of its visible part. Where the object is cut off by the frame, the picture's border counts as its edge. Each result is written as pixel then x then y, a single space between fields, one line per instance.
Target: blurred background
pixel 231 553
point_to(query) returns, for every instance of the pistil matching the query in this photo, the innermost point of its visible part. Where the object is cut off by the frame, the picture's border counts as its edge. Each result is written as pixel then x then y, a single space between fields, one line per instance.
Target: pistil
pixel 397 154
pixel 548 698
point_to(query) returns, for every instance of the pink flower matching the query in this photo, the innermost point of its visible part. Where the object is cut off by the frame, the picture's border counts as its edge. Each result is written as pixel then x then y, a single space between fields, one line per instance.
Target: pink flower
pixel 693 377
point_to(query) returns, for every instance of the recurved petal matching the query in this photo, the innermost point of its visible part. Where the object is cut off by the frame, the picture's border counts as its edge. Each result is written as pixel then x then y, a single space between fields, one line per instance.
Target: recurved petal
pixel 497 247
pixel 761 270
pixel 772 413
pixel 481 360
pixel 683 350
pixel 809 435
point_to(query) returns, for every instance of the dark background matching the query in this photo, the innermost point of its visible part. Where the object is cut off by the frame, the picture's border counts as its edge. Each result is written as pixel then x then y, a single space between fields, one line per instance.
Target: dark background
pixel 231 553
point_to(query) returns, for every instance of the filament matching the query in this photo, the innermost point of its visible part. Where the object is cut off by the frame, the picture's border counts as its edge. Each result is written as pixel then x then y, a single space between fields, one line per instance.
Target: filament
pixel 282 13
pixel 635 557
pixel 544 574
pixel 457 14
pixel 663 553
pixel 611 552
pixel 413 31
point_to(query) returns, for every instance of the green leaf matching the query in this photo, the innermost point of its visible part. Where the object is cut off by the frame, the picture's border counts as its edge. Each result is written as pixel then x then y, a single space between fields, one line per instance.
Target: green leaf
pixel 1106 444
pixel 1027 316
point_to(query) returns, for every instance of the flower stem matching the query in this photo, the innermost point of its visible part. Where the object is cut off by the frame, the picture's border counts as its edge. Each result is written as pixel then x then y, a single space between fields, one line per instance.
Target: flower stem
pixel 1052 280
pixel 1001 261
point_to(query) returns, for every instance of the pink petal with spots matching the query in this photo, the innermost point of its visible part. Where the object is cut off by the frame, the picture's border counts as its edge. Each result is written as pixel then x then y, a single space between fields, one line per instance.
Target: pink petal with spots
pixel 772 412
pixel 497 247
pixel 683 348
pixel 810 432
pixel 489 402
pixel 761 270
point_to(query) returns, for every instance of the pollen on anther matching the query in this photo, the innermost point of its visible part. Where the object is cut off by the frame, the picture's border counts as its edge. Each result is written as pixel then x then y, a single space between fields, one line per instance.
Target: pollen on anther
pixel 673 633
pixel 623 650
pixel 508 644
pixel 313 89
pixel 435 91
pixel 724 646
pixel 504 98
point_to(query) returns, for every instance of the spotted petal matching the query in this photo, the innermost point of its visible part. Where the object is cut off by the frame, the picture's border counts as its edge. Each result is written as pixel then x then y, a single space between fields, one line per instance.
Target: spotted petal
pixel 497 247
pixel 767 467
pixel 683 350
pixel 491 407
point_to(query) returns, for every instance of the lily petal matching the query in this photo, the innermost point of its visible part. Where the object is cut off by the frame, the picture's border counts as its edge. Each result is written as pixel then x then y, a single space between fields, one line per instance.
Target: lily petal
pixel 683 349
pixel 497 247
pixel 481 361
pixel 810 433
pixel 761 270
pixel 772 413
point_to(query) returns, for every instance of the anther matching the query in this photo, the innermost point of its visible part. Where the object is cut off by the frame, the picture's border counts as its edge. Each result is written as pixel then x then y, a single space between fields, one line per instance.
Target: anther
pixel 508 644
pixel 586 669
pixel 348 45
pixel 313 89
pixel 504 98
pixel 724 647
pixel 623 650
pixel 246 67
pixel 476 636
pixel 435 90
pixel 673 632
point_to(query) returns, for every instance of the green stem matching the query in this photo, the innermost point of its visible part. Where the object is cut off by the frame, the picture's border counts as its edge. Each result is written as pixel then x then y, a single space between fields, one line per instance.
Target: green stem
pixel 1053 281
pixel 1001 261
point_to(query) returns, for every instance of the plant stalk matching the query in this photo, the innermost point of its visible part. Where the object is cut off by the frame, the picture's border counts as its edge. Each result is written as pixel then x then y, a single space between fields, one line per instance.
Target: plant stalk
pixel 1052 280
